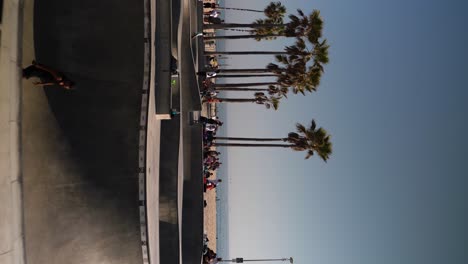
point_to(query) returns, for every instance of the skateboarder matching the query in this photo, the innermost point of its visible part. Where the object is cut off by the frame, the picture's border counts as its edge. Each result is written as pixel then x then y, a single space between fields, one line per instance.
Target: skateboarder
pixel 47 75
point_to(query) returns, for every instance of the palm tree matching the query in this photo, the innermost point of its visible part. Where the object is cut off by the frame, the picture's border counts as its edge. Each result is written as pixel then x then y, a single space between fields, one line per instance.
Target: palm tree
pixel 244 75
pixel 295 76
pixel 294 56
pixel 313 140
pixel 240 9
pixel 272 90
pixel 274 13
pixel 230 85
pixel 310 27
pixel 247 70
pixel 259 98
pixel 212 53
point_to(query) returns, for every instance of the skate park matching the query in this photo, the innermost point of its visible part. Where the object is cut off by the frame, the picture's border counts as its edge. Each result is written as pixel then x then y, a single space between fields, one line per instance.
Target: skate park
pixel 108 172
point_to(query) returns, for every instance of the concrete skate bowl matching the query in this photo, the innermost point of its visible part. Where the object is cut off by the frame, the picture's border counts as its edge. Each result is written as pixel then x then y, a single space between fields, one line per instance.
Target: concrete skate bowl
pixel 95 219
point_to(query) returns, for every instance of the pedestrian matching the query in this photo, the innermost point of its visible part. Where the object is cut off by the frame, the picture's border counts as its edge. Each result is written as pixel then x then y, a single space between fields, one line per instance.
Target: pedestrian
pixel 214 20
pixel 208 74
pixel 213 13
pixel 210 5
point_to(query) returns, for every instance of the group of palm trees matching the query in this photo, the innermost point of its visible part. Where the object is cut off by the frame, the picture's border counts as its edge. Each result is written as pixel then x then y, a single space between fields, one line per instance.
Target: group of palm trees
pixel 298 68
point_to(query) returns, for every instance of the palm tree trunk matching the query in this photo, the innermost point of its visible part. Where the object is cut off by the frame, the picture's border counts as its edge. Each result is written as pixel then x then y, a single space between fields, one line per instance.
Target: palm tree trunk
pixel 252 145
pixel 258 70
pixel 212 53
pixel 243 89
pixel 216 85
pixel 237 100
pixel 235 25
pixel 242 37
pixel 250 139
pixel 241 9
pixel 245 75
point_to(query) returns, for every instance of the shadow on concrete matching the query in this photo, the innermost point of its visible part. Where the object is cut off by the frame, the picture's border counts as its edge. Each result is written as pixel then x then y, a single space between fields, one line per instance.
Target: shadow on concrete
pixel 87 212
pixel 168 191
pixel 192 209
pixel 192 220
pixel 103 54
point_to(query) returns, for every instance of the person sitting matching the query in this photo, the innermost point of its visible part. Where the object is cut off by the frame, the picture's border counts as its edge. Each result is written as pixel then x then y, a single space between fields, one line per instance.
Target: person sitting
pixel 211 184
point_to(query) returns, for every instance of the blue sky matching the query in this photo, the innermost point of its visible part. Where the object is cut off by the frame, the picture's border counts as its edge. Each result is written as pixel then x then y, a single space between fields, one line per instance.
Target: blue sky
pixel 394 97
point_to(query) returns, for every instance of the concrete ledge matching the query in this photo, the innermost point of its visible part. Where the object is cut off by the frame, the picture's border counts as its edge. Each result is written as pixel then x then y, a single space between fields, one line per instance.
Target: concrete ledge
pixel 11 212
pixel 163 46
pixel 163 116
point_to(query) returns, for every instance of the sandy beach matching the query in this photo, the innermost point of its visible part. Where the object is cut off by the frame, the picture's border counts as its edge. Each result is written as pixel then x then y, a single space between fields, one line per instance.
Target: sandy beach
pixel 209 220
pixel 210 217
pixel 209 213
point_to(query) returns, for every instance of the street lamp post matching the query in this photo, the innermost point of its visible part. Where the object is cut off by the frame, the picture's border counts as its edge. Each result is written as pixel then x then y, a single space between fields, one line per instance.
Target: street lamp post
pixel 242 260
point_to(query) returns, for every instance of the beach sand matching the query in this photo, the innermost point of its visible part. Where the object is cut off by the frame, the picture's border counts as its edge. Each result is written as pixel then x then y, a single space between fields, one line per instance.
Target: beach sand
pixel 209 220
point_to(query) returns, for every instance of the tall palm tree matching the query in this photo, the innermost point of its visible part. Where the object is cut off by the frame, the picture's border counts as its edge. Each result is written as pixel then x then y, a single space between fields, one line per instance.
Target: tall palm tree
pixel 246 70
pixel 259 98
pixel 240 9
pixel 275 91
pixel 212 53
pixel 294 75
pixel 227 85
pixel 244 75
pixel 301 25
pixel 312 139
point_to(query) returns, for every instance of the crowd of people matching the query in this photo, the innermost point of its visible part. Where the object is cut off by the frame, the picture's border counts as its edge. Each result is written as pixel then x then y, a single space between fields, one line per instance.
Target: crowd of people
pixel 209 256
pixel 211 125
pixel 210 156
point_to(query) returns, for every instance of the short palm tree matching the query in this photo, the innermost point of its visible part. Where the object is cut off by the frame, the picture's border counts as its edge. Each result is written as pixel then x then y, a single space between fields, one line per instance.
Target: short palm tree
pixel 312 139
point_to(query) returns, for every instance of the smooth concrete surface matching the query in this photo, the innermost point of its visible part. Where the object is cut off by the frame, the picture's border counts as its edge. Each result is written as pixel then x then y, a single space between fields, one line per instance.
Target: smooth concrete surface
pixel 80 148
pixel 175 20
pixel 187 68
pixel 149 183
pixel 168 191
pixel 11 218
pixel 163 50
pixel 192 209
